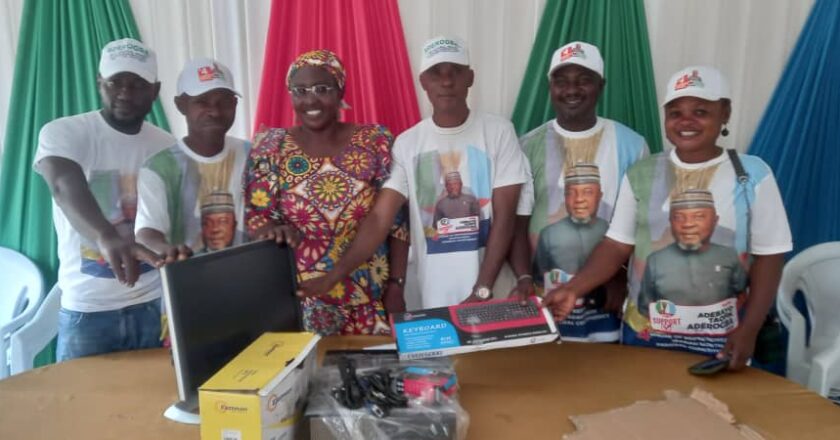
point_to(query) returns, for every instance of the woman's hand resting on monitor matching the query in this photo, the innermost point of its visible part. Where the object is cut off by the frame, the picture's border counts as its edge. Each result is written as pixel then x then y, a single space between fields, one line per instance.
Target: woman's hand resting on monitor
pixel 280 233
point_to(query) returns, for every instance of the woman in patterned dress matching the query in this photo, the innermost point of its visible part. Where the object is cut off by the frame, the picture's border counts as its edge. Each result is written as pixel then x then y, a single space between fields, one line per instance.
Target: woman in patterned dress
pixel 312 184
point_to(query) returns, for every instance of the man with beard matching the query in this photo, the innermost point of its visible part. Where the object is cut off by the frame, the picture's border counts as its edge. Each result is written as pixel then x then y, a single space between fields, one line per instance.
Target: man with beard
pixel 692 271
pixel 563 247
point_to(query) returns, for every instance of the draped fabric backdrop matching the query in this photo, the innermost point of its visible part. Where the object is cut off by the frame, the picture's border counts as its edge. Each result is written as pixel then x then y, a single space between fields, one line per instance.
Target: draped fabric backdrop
pixel 750 40
pixel 798 135
pixel 366 35
pixel 620 32
pixel 55 75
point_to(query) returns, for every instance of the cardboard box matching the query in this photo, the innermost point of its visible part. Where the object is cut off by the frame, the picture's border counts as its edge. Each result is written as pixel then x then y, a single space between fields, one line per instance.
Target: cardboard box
pixel 439 332
pixel 260 394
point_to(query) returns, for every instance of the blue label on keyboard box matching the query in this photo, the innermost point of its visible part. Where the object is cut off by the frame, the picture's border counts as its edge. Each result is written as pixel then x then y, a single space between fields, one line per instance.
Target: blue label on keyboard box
pixel 426 334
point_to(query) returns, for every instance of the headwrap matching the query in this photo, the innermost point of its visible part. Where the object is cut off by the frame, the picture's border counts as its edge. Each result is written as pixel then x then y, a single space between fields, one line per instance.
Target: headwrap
pixel 324 59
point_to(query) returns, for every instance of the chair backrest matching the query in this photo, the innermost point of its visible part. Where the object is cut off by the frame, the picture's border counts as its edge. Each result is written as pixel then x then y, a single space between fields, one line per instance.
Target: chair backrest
pixel 17 274
pixel 36 334
pixel 21 291
pixel 816 273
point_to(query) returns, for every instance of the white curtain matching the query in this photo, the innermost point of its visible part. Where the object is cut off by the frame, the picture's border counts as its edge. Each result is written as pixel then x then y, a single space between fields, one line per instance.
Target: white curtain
pixel 749 40
pixel 499 33
pixel 232 32
pixel 10 11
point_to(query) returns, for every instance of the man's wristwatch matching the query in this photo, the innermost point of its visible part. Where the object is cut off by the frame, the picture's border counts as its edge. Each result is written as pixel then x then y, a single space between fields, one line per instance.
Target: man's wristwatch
pixel 482 292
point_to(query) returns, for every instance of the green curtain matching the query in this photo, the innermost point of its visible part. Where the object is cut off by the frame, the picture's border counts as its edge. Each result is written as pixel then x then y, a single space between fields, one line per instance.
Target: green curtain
pixel 619 29
pixel 55 75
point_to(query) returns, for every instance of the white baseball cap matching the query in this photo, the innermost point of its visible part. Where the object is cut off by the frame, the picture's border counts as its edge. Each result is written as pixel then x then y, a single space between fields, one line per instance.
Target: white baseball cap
pixel 580 53
pixel 702 82
pixel 444 50
pixel 128 55
pixel 201 75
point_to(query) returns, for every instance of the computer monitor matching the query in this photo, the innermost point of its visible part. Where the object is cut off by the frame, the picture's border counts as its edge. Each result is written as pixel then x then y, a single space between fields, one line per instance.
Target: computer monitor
pixel 220 302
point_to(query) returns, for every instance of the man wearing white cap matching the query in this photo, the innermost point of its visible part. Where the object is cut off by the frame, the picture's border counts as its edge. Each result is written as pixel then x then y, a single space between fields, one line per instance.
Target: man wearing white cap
pixel 482 149
pixel 576 135
pixel 191 192
pixel 110 289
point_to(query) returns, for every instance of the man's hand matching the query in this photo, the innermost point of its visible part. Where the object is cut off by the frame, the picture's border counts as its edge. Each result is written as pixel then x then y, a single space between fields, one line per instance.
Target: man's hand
pixel 280 233
pixel 317 286
pixel 523 290
pixel 175 253
pixel 739 347
pixel 124 255
pixel 394 299
pixel 561 302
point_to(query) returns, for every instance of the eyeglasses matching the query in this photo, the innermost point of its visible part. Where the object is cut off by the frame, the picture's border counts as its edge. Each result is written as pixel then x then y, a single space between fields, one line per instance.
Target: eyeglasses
pixel 317 90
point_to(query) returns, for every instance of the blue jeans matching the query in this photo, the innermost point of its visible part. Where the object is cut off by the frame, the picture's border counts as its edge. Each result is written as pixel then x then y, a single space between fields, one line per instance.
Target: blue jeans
pixel 87 334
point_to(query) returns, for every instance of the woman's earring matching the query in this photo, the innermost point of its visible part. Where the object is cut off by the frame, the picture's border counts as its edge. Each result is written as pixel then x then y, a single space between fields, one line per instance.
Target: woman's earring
pixel 725 131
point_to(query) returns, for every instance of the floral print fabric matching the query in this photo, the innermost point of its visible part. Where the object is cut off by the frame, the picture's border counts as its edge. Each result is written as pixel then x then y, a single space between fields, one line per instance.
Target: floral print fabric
pixel 325 198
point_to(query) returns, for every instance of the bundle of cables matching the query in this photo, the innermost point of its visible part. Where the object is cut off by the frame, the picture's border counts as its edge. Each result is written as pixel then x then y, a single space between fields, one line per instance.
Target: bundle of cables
pixel 377 391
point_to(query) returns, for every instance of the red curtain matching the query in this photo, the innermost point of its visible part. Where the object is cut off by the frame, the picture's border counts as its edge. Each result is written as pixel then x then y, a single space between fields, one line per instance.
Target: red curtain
pixel 366 35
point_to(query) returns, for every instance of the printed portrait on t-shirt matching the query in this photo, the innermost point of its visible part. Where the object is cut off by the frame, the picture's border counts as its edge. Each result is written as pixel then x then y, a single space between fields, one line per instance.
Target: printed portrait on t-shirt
pixel 551 156
pixel 455 202
pixel 454 195
pixel 218 221
pixel 692 228
pixel 564 245
pixel 116 195
pixel 692 286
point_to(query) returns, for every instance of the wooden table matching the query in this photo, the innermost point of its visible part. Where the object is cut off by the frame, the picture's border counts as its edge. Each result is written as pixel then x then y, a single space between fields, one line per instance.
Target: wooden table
pixel 522 393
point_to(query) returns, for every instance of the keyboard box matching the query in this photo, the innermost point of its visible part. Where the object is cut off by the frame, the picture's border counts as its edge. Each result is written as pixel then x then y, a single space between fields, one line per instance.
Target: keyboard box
pixel 440 332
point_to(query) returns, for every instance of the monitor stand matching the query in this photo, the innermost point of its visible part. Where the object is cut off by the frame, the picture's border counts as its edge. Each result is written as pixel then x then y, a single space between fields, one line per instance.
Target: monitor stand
pixel 183 412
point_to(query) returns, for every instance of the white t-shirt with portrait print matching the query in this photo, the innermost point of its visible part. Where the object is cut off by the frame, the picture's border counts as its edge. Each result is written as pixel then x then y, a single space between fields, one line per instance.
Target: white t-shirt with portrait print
pixel 484 153
pixel 172 185
pixel 751 221
pixel 769 231
pixel 109 160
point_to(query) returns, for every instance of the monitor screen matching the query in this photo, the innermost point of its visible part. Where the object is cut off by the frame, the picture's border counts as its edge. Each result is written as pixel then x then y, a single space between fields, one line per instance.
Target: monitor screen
pixel 218 303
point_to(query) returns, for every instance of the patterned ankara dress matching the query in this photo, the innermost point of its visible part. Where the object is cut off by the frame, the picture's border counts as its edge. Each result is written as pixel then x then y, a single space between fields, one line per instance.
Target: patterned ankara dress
pixel 325 198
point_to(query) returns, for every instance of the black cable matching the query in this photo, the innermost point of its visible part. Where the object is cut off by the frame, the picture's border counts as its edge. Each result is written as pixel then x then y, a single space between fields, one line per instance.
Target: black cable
pixel 376 391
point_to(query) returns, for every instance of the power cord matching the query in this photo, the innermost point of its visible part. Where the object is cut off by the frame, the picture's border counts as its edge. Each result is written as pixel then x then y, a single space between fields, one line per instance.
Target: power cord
pixel 376 391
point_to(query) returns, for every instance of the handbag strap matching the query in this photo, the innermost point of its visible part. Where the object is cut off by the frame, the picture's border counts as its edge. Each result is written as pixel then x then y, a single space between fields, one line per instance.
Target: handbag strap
pixel 743 178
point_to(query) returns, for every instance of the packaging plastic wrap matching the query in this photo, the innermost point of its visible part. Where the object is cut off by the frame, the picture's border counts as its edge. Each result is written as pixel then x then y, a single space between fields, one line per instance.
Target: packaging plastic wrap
pixel 432 410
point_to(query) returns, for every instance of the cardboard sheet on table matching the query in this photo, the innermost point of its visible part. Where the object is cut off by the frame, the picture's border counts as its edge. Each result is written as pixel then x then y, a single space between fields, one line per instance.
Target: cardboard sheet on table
pixel 699 415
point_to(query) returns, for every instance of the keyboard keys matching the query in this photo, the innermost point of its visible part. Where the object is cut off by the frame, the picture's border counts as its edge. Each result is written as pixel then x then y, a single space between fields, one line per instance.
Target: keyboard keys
pixel 486 313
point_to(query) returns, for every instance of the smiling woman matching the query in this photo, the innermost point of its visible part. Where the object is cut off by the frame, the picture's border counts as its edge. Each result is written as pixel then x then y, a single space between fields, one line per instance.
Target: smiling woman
pixel 312 184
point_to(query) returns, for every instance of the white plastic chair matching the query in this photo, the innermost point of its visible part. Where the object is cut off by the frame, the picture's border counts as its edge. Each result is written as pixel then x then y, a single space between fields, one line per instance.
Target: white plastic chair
pixel 21 290
pixel 36 334
pixel 813 362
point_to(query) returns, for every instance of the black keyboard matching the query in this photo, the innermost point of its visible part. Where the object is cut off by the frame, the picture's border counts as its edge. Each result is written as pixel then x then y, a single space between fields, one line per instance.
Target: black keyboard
pixel 488 313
